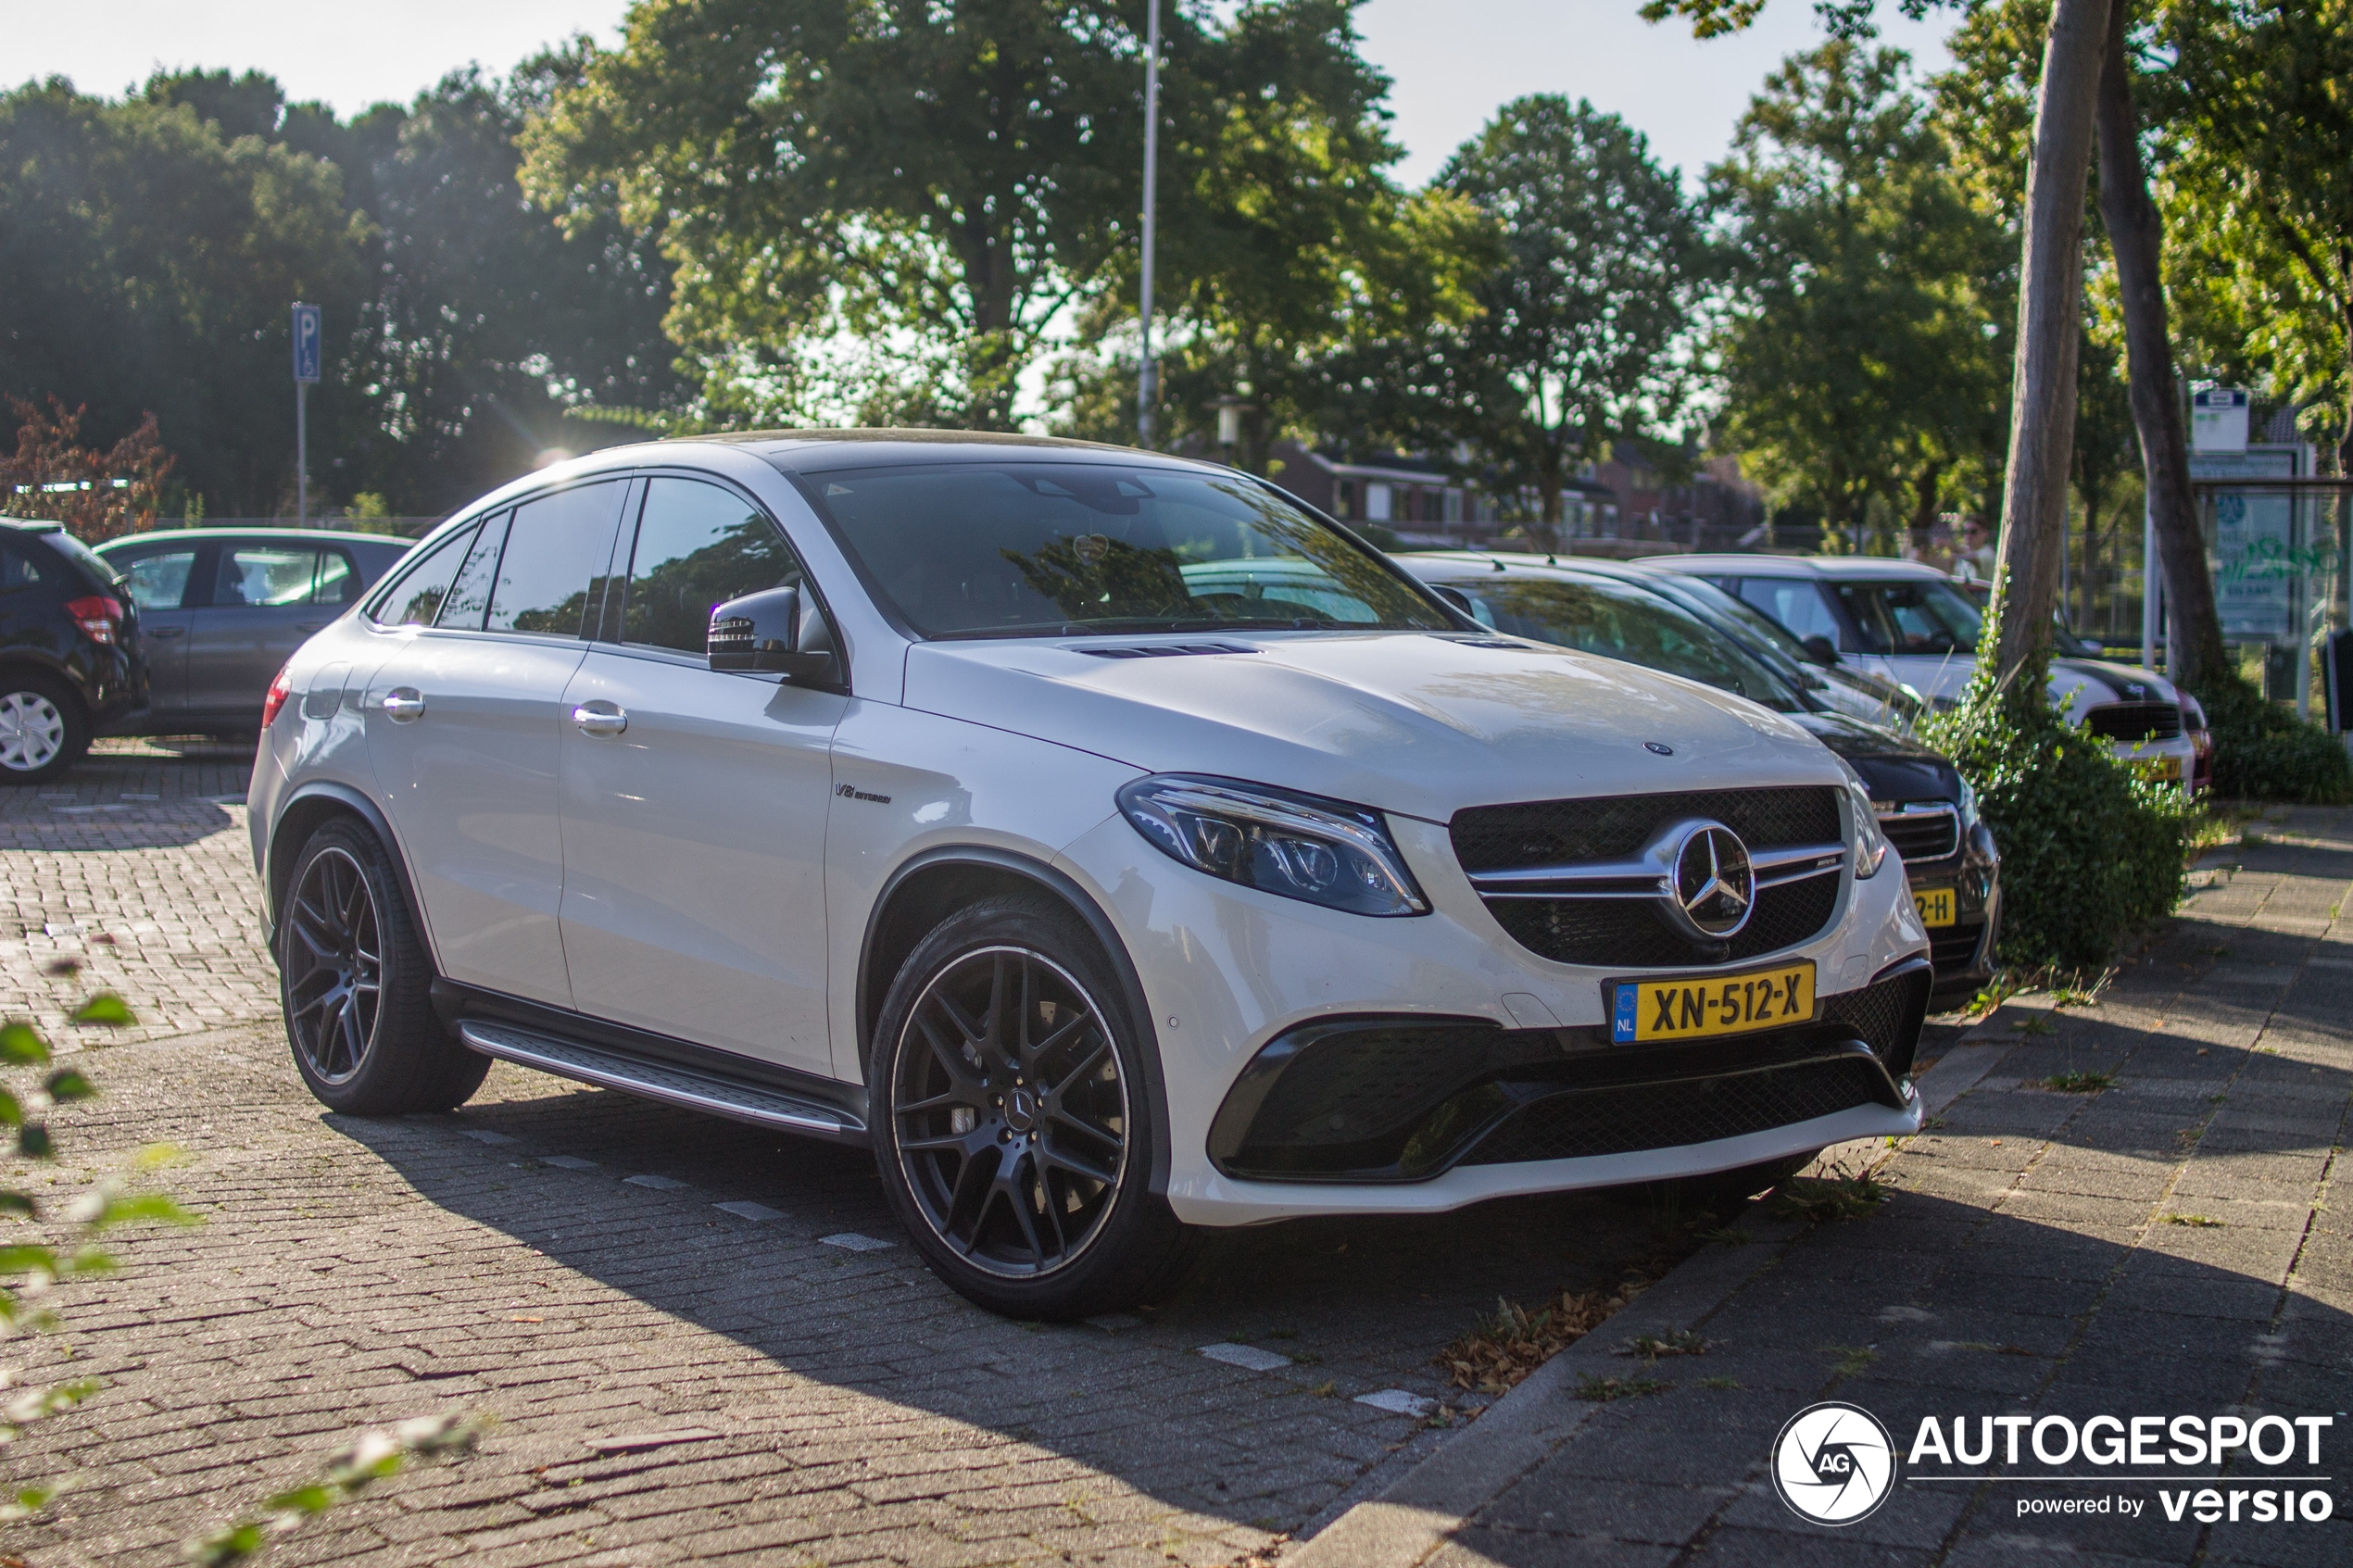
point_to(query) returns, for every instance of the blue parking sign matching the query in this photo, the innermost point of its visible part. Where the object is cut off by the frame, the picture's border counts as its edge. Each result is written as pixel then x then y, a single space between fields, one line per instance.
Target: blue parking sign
pixel 306 342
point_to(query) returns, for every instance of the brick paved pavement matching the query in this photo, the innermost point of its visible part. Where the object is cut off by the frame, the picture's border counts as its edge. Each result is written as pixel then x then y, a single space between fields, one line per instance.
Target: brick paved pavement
pixel 558 1257
pixel 2168 1245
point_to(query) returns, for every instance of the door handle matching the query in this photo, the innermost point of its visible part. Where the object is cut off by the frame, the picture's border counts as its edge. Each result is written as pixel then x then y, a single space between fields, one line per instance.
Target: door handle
pixel 403 704
pixel 600 718
pixel 162 632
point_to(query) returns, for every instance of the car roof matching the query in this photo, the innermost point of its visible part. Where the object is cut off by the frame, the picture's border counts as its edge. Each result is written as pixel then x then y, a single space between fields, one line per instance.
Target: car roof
pixel 1828 568
pixel 832 451
pixel 32 524
pixel 1451 565
pixel 322 535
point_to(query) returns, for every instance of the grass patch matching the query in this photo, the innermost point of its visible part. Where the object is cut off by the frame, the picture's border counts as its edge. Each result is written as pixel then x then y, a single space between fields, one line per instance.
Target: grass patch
pixel 1604 1389
pixel 2077 1082
pixel 2198 1222
pixel 2034 1026
pixel 1851 1358
pixel 1827 1197
pixel 1726 1383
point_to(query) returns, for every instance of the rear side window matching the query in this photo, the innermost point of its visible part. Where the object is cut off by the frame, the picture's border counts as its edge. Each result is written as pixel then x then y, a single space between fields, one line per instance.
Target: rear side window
pixel 469 594
pixel 161 581
pixel 416 598
pixel 338 581
pixel 100 570
pixel 265 576
pixel 1796 603
pixel 16 571
pixel 557 546
pixel 697 547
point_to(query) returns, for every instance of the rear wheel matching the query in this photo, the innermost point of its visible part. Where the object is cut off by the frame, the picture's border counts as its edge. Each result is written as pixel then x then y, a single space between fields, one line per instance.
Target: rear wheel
pixel 1010 1117
pixel 356 984
pixel 42 729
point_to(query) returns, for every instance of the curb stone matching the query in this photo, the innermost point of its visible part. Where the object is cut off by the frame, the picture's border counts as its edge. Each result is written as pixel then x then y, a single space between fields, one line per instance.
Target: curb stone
pixel 1421 1511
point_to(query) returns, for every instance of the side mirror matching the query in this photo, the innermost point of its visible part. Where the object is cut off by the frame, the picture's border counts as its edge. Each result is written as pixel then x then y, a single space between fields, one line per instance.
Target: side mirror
pixel 760 632
pixel 1820 650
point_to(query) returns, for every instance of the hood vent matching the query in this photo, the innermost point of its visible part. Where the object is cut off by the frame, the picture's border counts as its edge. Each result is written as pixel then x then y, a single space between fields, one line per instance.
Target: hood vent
pixel 1165 650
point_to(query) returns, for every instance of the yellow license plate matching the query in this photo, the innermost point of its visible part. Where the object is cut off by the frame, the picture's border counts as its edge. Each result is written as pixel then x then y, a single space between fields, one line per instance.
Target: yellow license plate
pixel 1935 904
pixel 1710 1007
pixel 2164 770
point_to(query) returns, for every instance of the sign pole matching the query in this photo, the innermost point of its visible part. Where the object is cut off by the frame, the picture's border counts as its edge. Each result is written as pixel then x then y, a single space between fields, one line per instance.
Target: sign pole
pixel 1146 372
pixel 307 345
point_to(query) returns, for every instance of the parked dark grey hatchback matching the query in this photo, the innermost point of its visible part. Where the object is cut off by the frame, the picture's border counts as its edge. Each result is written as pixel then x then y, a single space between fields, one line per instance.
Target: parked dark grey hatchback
pixel 224 610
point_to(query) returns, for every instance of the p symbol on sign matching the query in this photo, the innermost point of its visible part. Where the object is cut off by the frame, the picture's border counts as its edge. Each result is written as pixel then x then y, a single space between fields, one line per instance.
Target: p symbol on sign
pixel 306 342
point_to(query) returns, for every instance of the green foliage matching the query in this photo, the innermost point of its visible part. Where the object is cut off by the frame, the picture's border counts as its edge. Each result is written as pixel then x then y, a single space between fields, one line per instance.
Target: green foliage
pixel 1864 349
pixel 375 1457
pixel 2264 752
pixel 2090 850
pixel 1581 330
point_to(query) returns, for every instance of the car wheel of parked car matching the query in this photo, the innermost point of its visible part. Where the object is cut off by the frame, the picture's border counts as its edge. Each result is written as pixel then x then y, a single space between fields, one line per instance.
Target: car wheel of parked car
pixel 1010 1117
pixel 356 986
pixel 42 730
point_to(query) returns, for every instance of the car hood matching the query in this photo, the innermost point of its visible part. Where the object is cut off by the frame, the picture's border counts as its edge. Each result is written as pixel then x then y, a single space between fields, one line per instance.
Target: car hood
pixel 1422 724
pixel 2076 685
pixel 1893 767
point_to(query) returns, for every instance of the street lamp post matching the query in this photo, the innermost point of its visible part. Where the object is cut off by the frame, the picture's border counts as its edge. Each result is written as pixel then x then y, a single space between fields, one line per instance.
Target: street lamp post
pixel 1147 373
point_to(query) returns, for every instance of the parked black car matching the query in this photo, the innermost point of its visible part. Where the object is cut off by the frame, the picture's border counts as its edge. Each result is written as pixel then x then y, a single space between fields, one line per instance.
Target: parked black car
pixel 70 649
pixel 1925 808
pixel 223 610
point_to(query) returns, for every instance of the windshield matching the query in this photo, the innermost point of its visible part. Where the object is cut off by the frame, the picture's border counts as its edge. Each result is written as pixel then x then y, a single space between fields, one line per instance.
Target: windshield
pixel 1911 617
pixel 1766 635
pixel 2063 640
pixel 1045 550
pixel 1621 621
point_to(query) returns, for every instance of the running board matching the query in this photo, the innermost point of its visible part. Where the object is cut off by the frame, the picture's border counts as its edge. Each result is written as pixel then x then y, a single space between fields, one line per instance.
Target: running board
pixel 696 1091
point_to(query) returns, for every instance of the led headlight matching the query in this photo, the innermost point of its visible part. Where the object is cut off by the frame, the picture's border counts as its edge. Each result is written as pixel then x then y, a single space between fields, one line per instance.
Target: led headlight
pixel 1294 846
pixel 1969 807
pixel 1870 844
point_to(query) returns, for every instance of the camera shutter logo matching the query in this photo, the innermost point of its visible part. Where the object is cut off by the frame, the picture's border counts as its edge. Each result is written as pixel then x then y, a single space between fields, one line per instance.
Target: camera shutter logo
pixel 1833 1463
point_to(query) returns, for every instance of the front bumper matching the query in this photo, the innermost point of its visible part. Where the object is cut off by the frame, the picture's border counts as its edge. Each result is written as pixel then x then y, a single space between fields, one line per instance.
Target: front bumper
pixel 1226 972
pixel 1963 953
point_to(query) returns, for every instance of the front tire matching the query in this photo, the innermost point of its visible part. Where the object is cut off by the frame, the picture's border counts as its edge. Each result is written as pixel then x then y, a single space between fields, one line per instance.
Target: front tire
pixel 355 986
pixel 1010 1122
pixel 42 729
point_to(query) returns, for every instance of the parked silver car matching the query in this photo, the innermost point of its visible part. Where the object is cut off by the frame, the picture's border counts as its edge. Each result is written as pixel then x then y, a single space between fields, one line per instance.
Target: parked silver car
pixel 223 610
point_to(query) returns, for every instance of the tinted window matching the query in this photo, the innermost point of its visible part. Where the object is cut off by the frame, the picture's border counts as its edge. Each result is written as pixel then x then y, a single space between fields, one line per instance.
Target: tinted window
pixel 1624 623
pixel 469 594
pixel 416 598
pixel 1795 603
pixel 16 571
pixel 1016 549
pixel 555 547
pixel 264 574
pixel 1912 618
pixel 696 547
pixel 160 582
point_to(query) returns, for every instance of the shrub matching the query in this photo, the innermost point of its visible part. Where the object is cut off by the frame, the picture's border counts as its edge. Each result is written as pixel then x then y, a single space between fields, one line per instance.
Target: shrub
pixel 2090 850
pixel 2264 752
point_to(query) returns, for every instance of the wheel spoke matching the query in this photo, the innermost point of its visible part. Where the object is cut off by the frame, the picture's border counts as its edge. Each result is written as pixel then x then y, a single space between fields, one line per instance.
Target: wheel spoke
pixel 1054 1042
pixel 1064 1117
pixel 1063 1159
pixel 1017 1196
pixel 1079 1074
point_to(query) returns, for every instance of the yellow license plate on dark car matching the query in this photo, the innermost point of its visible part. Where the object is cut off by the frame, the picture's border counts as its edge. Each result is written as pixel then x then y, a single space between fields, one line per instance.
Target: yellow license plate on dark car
pixel 1935 904
pixel 1709 1007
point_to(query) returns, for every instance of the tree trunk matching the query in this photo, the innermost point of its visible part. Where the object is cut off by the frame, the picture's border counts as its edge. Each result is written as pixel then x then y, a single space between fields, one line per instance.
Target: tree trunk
pixel 2050 308
pixel 2135 233
pixel 1924 487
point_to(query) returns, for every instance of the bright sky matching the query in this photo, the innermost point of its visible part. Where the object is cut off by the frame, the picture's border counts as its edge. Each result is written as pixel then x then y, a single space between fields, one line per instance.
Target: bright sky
pixel 1453 60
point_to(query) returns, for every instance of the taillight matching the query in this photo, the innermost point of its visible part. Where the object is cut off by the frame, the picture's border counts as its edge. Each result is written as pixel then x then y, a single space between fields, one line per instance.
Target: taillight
pixel 98 615
pixel 279 690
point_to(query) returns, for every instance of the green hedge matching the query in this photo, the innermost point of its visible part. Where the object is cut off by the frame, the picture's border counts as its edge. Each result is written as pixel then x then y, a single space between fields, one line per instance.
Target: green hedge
pixel 2090 851
pixel 2264 752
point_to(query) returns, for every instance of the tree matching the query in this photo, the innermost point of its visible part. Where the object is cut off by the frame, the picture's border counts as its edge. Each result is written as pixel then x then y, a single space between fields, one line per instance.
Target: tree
pixel 2050 308
pixel 950 177
pixel 1866 293
pixel 96 494
pixel 1574 337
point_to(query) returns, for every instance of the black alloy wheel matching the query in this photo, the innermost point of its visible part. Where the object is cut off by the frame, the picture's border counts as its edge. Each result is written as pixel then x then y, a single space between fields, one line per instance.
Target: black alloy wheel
pixel 356 984
pixel 333 966
pixel 1011 1117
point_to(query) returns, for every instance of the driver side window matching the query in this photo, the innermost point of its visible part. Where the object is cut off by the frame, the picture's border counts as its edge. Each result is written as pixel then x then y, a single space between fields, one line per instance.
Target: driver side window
pixel 697 547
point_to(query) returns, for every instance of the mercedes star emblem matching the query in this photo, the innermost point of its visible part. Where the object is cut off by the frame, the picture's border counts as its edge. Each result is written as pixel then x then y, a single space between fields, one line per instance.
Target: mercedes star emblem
pixel 1715 888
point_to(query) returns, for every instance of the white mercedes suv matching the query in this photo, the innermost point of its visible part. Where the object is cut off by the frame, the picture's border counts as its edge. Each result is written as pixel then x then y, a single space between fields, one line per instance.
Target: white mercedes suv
pixel 1116 847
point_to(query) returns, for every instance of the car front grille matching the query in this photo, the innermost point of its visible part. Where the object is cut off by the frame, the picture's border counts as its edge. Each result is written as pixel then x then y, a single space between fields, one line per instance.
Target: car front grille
pixel 1639 1116
pixel 2135 721
pixel 1923 836
pixel 1628 933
